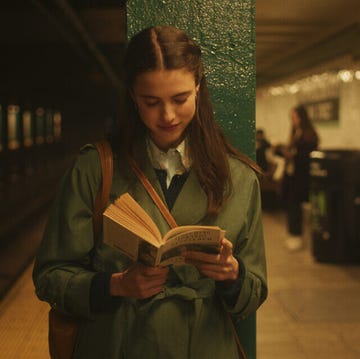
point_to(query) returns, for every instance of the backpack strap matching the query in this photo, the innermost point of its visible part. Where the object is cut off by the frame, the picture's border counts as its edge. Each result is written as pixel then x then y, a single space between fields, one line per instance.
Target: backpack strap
pixel 153 194
pixel 106 160
pixel 63 328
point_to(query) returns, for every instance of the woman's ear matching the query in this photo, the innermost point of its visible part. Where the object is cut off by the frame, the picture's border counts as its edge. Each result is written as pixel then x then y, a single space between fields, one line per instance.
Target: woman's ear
pixel 197 88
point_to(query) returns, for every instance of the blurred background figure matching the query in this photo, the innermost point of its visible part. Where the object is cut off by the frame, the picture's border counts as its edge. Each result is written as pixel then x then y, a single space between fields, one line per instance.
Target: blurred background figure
pixel 296 180
pixel 266 157
pixel 262 145
pixel 273 168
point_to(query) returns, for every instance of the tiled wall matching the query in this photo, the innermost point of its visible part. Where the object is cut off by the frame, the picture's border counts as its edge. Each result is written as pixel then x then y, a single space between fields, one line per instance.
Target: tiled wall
pixel 272 114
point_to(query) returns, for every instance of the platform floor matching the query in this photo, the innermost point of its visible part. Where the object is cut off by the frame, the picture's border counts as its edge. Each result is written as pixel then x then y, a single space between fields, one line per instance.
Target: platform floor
pixel 313 309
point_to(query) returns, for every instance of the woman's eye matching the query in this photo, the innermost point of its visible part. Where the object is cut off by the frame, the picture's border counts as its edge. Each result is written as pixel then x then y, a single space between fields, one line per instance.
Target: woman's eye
pixel 151 104
pixel 180 101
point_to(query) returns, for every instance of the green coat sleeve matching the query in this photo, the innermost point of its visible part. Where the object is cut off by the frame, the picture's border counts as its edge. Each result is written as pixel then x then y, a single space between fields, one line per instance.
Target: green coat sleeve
pixel 249 246
pixel 60 275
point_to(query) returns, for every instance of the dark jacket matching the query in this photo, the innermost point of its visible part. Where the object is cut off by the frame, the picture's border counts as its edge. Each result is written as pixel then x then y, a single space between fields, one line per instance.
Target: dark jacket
pixel 296 183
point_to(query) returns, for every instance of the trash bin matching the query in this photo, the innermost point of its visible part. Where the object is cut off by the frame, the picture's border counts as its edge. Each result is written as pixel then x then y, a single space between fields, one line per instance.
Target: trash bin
pixel 335 205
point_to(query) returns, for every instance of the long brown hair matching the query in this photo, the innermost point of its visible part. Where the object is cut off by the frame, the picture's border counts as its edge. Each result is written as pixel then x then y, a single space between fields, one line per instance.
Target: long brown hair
pixel 168 48
pixel 308 132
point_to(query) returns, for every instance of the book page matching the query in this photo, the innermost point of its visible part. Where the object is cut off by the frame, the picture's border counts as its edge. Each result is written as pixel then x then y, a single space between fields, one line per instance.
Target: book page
pixel 124 220
pixel 121 239
pixel 209 230
pixel 129 209
pixel 128 242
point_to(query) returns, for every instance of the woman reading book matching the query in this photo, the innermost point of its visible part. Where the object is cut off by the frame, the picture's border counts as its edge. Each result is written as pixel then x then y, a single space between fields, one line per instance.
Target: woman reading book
pixel 130 310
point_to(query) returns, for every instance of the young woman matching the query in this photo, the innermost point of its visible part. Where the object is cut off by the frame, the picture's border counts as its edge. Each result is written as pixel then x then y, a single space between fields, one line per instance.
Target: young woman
pixel 296 182
pixel 134 311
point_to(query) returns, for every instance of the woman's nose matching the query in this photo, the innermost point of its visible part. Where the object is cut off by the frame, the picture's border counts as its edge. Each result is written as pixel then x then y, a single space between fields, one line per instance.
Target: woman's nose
pixel 168 113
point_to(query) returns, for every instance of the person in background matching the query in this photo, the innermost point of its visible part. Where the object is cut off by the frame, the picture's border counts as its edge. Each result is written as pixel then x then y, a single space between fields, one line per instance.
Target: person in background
pixel 296 181
pixel 262 146
pixel 266 157
pixel 130 310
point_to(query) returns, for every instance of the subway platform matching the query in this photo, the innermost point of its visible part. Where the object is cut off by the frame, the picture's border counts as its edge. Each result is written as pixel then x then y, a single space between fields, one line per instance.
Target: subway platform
pixel 312 310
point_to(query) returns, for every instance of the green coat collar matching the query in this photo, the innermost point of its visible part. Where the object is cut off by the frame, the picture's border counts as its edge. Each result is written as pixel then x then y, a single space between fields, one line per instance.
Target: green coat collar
pixel 190 206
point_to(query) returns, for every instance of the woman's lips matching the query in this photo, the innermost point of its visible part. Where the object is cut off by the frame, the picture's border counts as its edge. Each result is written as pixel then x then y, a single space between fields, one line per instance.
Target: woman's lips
pixel 169 128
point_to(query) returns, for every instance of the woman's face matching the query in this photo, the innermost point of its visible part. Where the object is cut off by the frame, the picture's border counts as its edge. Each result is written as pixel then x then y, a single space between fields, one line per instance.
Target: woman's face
pixel 166 104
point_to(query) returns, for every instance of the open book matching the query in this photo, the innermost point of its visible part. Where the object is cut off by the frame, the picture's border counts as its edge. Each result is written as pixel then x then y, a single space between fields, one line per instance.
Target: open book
pixel 128 228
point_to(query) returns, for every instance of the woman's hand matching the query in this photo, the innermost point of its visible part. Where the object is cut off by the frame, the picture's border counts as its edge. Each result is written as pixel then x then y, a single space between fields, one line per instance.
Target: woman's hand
pixel 138 281
pixel 220 267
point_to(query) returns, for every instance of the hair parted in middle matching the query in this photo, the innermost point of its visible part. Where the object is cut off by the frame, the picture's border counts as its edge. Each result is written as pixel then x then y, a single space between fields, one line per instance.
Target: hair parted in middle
pixel 168 48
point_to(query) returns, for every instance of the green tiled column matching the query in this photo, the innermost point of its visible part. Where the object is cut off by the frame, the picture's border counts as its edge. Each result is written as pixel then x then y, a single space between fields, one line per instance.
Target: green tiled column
pixel 225 30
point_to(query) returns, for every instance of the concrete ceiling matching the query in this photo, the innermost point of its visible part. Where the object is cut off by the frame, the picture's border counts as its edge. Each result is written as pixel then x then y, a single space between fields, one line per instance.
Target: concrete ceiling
pixel 78 44
pixel 295 35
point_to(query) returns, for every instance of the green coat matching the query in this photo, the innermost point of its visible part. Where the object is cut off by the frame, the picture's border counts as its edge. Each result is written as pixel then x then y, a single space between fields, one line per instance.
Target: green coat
pixel 187 320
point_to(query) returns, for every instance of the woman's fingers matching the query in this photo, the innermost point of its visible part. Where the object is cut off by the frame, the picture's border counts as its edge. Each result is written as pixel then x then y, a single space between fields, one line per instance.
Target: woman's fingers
pixel 221 266
pixel 226 247
pixel 138 281
pixel 225 252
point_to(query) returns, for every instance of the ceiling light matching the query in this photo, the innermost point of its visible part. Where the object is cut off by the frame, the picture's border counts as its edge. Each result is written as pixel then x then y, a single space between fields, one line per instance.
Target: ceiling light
pixel 346 75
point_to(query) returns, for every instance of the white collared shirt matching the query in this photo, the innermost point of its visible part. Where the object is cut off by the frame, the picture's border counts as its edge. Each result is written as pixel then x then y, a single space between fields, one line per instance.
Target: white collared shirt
pixel 176 161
